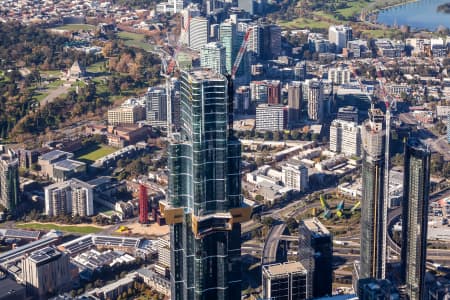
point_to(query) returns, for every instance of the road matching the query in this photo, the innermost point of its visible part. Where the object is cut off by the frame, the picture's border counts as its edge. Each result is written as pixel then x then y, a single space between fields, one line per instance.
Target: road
pixel 271 245
pixel 272 241
pixel 395 214
pixel 277 213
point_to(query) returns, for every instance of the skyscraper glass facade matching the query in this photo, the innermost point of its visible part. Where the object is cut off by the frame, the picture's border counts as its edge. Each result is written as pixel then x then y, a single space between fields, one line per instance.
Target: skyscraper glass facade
pixel 373 249
pixel 416 190
pixel 205 186
pixel 228 38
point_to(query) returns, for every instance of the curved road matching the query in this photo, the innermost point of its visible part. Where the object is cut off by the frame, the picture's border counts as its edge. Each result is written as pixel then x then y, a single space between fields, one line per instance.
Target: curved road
pixel 395 214
pixel 271 245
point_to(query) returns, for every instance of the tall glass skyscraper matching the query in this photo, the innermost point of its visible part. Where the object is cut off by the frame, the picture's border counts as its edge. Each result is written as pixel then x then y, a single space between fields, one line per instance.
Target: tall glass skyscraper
pixel 416 190
pixel 213 56
pixel 228 34
pixel 373 236
pixel 204 200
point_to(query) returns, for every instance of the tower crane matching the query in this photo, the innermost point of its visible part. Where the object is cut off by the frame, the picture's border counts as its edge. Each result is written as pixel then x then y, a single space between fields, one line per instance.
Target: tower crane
pixel 241 52
pixel 232 76
pixel 166 72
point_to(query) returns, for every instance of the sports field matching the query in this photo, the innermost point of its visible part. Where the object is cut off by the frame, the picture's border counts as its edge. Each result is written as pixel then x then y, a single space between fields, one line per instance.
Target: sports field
pixel 94 152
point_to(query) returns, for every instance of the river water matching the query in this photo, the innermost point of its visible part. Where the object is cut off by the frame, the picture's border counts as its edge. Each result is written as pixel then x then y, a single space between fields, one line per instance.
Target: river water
pixel 421 14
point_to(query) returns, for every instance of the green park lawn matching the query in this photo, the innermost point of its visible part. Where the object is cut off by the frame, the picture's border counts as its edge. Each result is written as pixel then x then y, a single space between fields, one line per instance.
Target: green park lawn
pixel 94 152
pixel 136 40
pixel 76 27
pixel 96 68
pixel 301 23
pixel 50 73
pixel 354 8
pixel 65 228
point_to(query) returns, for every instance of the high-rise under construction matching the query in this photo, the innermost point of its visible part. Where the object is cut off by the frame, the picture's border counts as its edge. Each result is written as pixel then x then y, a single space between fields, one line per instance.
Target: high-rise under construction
pixel 373 205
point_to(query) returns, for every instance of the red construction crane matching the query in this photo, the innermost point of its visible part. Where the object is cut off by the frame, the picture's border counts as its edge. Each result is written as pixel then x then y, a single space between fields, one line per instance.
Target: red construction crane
pixel 241 52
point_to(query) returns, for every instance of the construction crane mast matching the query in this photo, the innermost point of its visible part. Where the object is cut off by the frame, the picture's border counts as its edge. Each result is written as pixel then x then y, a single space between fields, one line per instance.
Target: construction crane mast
pixel 167 71
pixel 387 101
pixel 241 53
pixel 232 76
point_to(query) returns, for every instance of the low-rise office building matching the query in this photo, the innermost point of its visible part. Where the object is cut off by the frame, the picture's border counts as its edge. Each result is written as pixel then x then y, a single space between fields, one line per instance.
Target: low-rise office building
pixel 285 281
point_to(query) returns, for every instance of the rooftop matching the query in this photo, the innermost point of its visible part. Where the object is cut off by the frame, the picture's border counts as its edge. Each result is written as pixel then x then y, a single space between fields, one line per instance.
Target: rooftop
pixel 285 268
pixel 69 164
pixel 55 154
pixel 202 74
pixel 44 254
pixel 417 145
pixel 315 226
pixel 14 253
pixel 73 182
pixel 102 180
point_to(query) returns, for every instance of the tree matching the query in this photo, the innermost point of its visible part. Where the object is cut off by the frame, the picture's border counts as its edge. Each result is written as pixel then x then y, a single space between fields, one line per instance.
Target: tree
pixel 268 221
pixel 259 198
pixel 268 135
pixel 291 224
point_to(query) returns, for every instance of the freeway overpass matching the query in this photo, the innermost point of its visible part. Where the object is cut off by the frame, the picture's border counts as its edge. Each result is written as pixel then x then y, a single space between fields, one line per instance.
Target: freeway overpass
pixel 271 245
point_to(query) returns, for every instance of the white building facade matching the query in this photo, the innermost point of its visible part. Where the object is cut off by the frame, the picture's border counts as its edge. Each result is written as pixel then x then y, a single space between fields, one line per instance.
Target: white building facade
pixel 345 137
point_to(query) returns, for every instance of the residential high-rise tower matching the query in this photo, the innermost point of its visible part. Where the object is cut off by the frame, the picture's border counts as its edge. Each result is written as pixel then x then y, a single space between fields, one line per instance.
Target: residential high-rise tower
pixel 156 106
pixel 315 96
pixel 345 137
pixel 198 33
pixel 204 199
pixel 373 236
pixel 228 38
pixel 9 179
pixel 295 95
pixel 69 197
pixel 416 189
pixel 213 56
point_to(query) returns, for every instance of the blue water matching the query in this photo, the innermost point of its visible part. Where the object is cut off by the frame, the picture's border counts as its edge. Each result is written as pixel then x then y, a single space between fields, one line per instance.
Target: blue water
pixel 419 15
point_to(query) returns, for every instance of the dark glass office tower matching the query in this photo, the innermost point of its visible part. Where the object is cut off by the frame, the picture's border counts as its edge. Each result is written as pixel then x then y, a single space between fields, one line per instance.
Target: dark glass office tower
pixel 416 190
pixel 204 197
pixel 373 236
pixel 316 255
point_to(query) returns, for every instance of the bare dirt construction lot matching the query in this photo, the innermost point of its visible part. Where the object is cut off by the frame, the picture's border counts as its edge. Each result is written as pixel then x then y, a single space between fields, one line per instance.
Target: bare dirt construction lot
pixel 148 230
